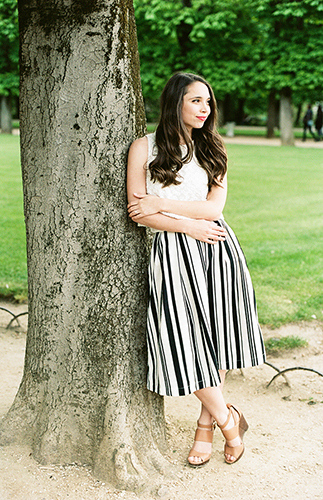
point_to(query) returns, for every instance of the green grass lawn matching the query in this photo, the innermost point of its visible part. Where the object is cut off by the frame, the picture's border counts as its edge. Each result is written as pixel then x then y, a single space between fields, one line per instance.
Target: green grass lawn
pixel 13 268
pixel 275 206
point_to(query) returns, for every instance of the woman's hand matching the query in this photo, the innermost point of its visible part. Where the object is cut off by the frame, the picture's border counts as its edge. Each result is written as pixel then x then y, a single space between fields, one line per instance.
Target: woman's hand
pixel 207 231
pixel 146 204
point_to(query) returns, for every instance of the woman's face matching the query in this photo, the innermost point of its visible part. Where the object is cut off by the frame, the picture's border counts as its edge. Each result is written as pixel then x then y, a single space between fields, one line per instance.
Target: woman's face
pixel 196 106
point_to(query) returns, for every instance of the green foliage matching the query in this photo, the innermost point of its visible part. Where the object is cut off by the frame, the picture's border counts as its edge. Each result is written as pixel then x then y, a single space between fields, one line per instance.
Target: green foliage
pixel 213 38
pixel 9 83
pixel 277 345
pixel 9 48
pixel 292 45
pixel 244 48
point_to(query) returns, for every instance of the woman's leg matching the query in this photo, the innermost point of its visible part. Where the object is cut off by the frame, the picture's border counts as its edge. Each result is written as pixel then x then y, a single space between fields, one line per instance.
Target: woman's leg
pixel 212 399
pixel 205 417
pixel 213 408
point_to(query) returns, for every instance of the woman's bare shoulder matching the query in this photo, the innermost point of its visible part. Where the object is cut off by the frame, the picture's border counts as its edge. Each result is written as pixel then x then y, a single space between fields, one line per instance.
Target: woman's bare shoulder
pixel 138 153
pixel 140 145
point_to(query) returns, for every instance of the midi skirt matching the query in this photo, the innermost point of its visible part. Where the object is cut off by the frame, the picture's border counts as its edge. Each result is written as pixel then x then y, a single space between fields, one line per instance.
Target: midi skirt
pixel 202 314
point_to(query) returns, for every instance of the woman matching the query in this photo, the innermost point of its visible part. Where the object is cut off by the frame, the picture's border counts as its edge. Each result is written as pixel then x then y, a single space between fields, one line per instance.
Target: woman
pixel 202 317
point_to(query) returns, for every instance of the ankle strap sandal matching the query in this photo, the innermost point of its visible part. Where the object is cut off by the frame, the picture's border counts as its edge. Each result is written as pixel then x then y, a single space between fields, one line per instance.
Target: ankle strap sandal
pixel 203 433
pixel 238 430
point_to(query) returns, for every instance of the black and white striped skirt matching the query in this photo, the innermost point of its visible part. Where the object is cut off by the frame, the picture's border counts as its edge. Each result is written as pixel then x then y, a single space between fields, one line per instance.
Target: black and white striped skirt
pixel 202 314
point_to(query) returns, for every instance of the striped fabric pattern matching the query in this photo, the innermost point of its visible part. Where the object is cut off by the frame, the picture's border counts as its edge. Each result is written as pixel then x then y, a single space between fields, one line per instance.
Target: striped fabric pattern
pixel 202 314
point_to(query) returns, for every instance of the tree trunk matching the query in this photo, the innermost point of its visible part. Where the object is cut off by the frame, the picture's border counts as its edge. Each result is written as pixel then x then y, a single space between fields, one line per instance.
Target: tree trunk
pixel 220 108
pixel 5 115
pixel 277 119
pixel 286 117
pixel 240 114
pixel 271 114
pixel 83 395
pixel 298 116
pixel 228 109
pixel 183 31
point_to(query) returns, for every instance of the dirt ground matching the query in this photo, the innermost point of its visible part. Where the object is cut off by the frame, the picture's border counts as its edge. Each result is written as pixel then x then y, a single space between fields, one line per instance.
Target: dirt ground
pixel 284 444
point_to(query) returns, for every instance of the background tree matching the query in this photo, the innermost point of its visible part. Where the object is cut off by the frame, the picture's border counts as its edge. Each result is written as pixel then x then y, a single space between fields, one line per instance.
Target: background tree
pixel 226 40
pixel 225 45
pixel 253 52
pixel 83 395
pixel 291 56
pixel 9 70
pixel 217 38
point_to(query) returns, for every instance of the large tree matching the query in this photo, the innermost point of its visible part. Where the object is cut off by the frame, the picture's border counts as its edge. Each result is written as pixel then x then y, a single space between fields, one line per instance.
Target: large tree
pixel 83 396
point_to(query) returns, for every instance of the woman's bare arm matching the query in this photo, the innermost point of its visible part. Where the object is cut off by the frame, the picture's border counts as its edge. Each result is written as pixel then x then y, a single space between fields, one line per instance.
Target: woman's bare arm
pixel 211 209
pixel 202 229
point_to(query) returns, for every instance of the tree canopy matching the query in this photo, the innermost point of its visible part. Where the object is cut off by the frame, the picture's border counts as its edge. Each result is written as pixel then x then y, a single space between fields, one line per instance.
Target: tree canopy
pixel 244 48
pixel 292 46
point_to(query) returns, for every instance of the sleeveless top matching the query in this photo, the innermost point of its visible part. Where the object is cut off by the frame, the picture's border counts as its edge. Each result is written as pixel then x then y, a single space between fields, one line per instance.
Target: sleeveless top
pixel 193 180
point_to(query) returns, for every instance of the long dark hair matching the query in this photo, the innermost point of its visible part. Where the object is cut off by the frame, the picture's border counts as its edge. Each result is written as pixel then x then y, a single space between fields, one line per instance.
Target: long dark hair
pixel 208 145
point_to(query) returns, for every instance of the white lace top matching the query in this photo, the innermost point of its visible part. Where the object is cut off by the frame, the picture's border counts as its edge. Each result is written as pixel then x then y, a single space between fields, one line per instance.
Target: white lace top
pixel 194 181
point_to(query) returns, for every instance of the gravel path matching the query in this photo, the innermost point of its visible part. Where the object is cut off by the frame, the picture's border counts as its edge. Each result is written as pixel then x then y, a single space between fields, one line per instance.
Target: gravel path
pixel 284 445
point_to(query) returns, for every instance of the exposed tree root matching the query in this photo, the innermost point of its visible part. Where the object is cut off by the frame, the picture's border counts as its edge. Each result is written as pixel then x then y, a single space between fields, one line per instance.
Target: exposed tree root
pixel 282 372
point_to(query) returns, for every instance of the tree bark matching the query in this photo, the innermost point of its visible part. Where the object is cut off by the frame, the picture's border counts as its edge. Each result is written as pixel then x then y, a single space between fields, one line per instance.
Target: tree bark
pixel 83 395
pixel 5 115
pixel 286 117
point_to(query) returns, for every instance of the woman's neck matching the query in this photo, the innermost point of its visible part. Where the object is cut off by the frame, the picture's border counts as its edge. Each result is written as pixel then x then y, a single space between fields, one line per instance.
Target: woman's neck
pixel 181 139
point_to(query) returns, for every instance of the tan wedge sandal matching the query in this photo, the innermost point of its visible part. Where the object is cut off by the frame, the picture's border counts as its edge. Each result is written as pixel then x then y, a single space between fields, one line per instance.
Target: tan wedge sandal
pixel 203 433
pixel 240 427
